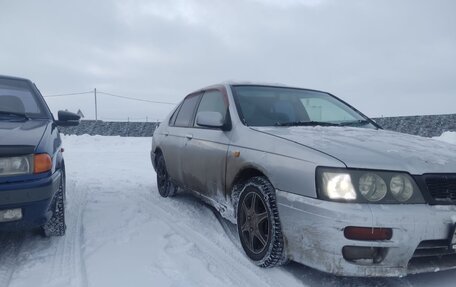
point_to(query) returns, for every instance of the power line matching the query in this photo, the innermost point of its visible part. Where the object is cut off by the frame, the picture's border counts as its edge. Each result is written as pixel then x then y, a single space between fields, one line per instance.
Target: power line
pixel 95 92
pixel 111 95
pixel 69 94
pixel 136 99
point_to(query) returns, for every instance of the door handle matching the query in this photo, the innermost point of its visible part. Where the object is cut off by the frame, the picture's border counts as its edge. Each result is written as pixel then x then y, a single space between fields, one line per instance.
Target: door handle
pixel 189 136
pixel 166 134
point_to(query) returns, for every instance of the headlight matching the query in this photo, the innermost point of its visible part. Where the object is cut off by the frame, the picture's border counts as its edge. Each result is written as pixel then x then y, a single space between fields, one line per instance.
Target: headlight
pixel 372 187
pixel 338 186
pixel 15 165
pixel 401 187
pixel 367 186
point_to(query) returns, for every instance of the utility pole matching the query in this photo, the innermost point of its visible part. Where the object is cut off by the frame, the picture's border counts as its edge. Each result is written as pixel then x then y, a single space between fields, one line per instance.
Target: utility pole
pixel 96 105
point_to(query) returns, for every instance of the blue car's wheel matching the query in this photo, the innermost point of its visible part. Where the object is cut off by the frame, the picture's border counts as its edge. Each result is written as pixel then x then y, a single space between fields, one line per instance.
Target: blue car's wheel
pixel 56 225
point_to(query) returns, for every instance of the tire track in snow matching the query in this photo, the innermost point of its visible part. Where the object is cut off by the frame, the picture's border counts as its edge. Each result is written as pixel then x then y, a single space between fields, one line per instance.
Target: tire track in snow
pixel 195 237
pixel 229 228
pixel 234 264
pixel 10 247
pixel 68 267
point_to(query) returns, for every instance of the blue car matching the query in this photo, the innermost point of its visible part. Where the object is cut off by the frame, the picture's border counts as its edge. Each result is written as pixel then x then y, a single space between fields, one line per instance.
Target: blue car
pixel 32 169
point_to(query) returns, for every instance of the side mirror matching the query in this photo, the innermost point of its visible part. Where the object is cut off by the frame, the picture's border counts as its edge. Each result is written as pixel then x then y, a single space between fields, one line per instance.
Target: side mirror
pixel 210 119
pixel 67 119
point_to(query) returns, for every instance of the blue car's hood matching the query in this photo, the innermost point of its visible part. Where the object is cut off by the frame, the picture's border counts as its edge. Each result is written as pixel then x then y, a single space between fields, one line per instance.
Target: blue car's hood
pixel 22 133
pixel 374 149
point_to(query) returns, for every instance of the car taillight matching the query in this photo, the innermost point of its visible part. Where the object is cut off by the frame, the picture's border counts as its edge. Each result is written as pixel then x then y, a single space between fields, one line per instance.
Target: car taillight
pixel 42 163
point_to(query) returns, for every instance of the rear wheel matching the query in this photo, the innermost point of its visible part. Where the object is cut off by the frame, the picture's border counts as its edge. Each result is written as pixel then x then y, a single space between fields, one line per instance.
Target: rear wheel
pixel 258 223
pixel 165 187
pixel 56 225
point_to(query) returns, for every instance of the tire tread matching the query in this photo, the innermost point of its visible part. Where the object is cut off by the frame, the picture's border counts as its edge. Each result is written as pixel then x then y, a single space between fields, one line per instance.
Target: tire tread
pixel 276 255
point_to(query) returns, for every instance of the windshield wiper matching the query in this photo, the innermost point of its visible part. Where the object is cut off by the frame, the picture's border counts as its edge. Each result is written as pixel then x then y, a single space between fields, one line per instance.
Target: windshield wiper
pixel 22 115
pixel 356 123
pixel 307 124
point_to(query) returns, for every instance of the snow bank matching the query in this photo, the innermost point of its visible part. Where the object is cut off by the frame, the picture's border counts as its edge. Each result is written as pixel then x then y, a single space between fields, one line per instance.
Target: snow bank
pixel 449 137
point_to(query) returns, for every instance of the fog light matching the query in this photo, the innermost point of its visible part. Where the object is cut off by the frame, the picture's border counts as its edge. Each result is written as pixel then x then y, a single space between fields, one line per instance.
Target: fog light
pixel 8 215
pixel 368 233
pixel 364 255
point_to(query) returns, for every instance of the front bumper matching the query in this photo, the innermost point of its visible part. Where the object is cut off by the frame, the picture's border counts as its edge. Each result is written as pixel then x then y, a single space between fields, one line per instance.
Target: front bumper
pixel 314 232
pixel 32 197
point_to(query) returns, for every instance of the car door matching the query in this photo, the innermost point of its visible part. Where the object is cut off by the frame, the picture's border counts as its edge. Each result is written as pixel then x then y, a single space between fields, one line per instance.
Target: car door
pixel 204 159
pixel 174 137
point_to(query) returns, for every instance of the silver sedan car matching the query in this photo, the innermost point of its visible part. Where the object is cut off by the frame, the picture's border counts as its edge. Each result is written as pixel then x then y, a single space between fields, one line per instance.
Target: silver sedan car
pixel 306 177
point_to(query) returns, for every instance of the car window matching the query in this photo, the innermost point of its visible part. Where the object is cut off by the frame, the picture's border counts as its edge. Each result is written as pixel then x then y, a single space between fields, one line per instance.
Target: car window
pixel 185 116
pixel 16 96
pixel 213 101
pixel 282 106
pixel 264 106
pixel 174 116
pixel 322 110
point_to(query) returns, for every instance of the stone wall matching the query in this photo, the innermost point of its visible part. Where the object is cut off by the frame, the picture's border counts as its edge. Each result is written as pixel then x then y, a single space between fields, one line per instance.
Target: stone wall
pixel 124 129
pixel 427 126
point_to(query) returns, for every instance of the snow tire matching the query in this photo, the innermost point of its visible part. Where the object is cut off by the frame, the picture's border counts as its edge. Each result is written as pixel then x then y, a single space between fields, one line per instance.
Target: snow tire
pixel 56 225
pixel 165 187
pixel 266 246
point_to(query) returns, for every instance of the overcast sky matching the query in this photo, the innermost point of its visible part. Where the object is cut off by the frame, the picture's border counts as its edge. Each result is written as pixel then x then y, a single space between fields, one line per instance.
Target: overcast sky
pixel 385 57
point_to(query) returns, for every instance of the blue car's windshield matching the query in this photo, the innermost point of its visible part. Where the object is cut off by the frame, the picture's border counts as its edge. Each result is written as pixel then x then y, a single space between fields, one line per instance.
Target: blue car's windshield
pixel 18 100
pixel 279 106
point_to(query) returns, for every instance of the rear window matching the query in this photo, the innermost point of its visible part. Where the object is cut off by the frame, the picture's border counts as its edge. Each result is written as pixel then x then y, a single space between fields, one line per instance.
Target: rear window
pixel 17 96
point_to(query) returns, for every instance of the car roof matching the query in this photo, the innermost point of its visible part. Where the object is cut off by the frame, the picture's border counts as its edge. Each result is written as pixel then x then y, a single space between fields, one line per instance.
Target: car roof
pixel 247 83
pixel 13 78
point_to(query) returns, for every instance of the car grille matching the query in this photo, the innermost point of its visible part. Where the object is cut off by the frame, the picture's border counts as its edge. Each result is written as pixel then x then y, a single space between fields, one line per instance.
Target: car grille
pixel 432 255
pixel 442 188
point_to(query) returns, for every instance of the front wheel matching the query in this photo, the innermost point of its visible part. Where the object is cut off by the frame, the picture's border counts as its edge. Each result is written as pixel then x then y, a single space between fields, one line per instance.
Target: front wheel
pixel 56 225
pixel 165 187
pixel 258 223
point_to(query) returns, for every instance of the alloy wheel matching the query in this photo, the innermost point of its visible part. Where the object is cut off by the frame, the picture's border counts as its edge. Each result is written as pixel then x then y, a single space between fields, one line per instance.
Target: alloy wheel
pixel 254 223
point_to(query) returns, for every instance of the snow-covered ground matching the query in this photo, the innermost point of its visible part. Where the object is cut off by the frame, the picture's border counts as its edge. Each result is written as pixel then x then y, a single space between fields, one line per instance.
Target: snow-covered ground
pixel 121 233
pixel 449 137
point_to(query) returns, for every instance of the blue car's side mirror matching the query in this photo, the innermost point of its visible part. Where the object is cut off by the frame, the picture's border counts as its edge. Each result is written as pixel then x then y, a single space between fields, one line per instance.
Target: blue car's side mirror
pixel 67 119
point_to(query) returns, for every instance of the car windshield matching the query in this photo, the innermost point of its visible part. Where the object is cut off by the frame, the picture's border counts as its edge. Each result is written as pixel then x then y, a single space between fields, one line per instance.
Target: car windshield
pixel 18 100
pixel 280 106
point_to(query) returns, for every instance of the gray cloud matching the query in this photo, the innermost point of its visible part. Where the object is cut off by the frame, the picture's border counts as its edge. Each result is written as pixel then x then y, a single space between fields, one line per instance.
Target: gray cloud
pixel 384 57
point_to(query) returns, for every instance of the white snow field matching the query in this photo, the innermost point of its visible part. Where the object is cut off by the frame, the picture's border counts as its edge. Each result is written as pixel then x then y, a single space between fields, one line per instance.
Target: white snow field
pixel 449 137
pixel 122 233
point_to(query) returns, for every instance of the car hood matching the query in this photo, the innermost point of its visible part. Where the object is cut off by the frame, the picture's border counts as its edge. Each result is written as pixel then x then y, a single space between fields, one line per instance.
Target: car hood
pixel 22 133
pixel 373 149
